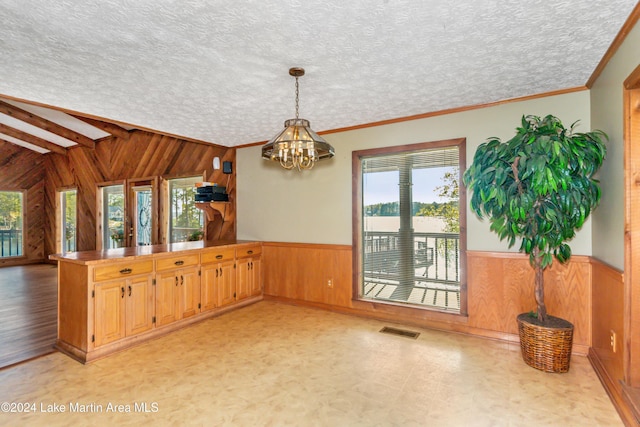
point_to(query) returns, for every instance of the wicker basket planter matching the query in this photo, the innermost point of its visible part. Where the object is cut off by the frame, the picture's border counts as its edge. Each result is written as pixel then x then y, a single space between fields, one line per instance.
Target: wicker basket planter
pixel 547 348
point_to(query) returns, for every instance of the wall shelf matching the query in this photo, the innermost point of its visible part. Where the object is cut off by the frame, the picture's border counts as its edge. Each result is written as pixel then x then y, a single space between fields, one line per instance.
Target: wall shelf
pixel 216 213
pixel 213 208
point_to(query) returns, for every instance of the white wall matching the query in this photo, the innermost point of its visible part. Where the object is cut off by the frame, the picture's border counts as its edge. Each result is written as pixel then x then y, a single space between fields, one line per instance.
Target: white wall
pixel 607 115
pixel 315 206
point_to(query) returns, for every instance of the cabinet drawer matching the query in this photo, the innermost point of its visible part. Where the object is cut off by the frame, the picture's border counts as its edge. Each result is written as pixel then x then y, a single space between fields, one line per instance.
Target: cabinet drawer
pixel 177 262
pixel 218 255
pixel 115 271
pixel 246 251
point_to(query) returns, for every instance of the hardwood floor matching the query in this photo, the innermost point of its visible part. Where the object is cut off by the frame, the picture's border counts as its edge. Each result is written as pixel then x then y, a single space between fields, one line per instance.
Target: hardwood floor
pixel 28 312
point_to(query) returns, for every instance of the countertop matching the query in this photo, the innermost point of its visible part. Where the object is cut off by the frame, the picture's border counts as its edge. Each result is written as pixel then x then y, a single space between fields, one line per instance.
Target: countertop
pixel 109 255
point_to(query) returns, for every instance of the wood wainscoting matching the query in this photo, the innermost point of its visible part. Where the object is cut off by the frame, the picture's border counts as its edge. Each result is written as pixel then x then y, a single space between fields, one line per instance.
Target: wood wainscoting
pixel 607 355
pixel 300 274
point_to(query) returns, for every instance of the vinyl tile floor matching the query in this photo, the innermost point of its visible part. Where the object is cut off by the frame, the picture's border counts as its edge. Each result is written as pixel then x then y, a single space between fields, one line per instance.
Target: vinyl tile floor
pixel 271 364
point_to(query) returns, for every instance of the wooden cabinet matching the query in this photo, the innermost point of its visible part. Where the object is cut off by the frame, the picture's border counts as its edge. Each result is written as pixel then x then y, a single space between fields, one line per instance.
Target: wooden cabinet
pixel 110 312
pixel 218 277
pixel 108 300
pixel 255 287
pixel 177 288
pixel 249 278
pixel 124 306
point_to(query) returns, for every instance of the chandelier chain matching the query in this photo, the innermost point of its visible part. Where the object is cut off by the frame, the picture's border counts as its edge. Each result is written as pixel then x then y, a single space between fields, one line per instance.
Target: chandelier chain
pixel 297 97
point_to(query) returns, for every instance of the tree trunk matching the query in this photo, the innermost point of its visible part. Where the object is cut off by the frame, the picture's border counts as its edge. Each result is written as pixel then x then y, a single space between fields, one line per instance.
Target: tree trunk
pixel 539 291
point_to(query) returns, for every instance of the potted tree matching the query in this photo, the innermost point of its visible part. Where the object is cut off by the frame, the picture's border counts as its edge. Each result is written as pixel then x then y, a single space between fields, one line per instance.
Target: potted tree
pixel 538 188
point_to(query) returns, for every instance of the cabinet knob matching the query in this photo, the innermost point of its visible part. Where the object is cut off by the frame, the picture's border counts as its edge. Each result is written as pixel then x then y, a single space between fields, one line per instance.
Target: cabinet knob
pixel 176 280
pixel 129 290
pixel 218 256
pixel 249 252
pixel 126 271
pixel 179 262
pixel 122 289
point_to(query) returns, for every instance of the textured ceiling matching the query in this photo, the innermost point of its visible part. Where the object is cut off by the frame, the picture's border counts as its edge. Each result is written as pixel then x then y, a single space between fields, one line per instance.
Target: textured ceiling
pixel 218 70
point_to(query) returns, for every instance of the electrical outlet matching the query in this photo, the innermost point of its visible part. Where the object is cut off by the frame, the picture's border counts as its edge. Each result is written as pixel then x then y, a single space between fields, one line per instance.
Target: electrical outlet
pixel 330 283
pixel 614 340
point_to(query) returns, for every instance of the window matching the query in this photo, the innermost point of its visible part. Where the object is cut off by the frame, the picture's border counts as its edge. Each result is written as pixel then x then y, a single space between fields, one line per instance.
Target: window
pixel 114 216
pixel 11 213
pixel 409 249
pixel 67 220
pixel 186 222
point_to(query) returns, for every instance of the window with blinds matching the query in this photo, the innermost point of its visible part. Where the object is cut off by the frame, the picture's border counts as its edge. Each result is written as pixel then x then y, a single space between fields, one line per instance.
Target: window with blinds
pixel 409 243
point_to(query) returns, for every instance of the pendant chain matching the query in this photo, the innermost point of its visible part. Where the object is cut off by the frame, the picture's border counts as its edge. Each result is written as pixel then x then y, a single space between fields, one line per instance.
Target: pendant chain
pixel 297 94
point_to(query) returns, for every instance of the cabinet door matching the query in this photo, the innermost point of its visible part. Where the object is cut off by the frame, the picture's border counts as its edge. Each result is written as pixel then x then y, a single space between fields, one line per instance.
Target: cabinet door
pixel 167 298
pixel 190 292
pixel 227 283
pixel 256 277
pixel 139 306
pixel 109 312
pixel 209 286
pixel 243 286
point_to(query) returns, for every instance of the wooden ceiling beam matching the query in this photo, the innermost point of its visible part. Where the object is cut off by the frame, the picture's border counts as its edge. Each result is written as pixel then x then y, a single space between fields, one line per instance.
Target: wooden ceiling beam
pixel 31 139
pixel 44 124
pixel 116 130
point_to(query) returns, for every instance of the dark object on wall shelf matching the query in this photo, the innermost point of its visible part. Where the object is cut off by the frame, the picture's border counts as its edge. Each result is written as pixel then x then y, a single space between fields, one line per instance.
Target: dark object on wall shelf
pixel 212 197
pixel 209 189
pixel 211 193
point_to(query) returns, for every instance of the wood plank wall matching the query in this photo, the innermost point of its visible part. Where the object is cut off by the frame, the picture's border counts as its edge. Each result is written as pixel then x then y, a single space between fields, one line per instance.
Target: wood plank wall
pixel 143 154
pixel 23 170
pixel 500 286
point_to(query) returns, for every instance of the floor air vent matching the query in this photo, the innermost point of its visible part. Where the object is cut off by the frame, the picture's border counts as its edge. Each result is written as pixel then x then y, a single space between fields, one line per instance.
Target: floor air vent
pixel 400 332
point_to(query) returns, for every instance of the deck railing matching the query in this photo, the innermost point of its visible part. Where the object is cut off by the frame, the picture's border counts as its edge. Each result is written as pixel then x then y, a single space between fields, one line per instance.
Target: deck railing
pixel 436 256
pixel 425 271
pixel 10 243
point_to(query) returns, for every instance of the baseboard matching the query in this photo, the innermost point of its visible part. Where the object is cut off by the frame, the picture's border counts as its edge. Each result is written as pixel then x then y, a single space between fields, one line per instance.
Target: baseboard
pixel 614 390
pixel 631 396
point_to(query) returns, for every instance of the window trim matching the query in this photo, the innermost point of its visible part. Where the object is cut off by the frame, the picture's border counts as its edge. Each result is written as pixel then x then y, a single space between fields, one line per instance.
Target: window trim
pixel 356 220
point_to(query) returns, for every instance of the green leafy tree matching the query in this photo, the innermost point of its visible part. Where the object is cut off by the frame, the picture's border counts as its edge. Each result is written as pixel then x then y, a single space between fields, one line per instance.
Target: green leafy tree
pixel 11 209
pixel 538 187
pixel 449 211
pixel 70 214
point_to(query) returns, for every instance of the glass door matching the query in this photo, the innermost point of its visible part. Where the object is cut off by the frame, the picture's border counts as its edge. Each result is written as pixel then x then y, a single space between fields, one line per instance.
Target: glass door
pixel 129 214
pixel 142 213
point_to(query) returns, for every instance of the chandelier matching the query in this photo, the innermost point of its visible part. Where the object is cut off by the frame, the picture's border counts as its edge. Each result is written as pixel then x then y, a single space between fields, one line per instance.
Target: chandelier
pixel 297 146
